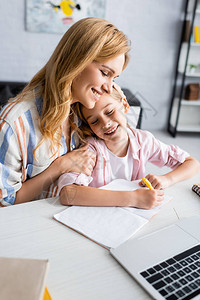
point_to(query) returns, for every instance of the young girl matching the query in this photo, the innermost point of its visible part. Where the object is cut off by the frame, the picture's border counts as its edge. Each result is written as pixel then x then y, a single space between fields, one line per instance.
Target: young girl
pixel 122 152
pixel 36 136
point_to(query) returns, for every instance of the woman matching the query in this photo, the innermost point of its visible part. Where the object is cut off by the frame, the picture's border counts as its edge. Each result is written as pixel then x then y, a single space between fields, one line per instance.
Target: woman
pixel 35 128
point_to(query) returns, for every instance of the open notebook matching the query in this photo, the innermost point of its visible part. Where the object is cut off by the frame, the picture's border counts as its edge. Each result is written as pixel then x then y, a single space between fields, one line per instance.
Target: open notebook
pixel 108 226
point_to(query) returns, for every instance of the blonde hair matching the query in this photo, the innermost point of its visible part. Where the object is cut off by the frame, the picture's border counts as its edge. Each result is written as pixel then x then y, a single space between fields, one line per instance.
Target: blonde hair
pixel 88 40
pixel 84 131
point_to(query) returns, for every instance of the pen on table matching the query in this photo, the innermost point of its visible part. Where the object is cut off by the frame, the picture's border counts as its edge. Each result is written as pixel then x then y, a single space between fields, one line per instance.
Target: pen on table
pixel 176 213
pixel 148 183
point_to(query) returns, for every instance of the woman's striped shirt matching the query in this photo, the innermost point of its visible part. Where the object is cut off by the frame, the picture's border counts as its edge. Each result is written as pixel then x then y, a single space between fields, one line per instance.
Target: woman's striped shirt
pixel 19 136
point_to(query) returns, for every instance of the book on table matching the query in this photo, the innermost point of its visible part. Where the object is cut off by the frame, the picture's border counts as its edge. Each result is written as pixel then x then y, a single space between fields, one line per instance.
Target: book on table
pixel 23 278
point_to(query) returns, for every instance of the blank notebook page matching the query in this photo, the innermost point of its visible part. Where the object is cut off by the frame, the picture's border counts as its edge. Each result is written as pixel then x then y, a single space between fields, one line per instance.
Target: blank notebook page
pixel 108 226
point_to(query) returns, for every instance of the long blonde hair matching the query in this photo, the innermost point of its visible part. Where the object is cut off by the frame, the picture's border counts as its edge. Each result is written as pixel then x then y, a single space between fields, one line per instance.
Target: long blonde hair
pixel 88 40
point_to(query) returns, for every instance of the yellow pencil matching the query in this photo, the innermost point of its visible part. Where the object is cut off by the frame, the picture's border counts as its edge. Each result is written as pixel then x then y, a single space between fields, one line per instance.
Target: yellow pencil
pixel 148 184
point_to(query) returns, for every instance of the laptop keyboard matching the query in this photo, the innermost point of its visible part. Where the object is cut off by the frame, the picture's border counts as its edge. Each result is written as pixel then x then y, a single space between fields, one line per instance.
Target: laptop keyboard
pixel 177 277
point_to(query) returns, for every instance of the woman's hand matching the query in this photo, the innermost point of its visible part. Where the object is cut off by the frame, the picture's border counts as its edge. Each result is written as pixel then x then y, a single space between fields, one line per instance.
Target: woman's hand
pixel 147 199
pixel 158 182
pixel 81 160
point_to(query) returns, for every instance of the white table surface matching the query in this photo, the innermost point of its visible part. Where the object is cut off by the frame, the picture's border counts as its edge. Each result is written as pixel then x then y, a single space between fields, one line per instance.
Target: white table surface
pixel 79 268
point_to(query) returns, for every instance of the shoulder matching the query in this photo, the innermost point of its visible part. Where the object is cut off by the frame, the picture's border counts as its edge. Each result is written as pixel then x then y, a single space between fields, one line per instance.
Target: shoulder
pixel 94 141
pixel 14 109
pixel 142 136
pixel 24 111
pixel 96 145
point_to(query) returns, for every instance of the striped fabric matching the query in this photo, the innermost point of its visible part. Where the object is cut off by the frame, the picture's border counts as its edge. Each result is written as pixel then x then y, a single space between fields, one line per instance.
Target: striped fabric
pixel 19 135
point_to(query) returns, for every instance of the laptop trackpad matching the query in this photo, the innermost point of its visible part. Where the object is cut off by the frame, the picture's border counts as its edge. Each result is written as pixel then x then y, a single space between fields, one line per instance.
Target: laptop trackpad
pixel 191 225
pixel 152 248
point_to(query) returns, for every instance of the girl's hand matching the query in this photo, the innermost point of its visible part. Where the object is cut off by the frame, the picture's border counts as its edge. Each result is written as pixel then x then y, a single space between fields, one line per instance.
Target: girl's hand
pixel 158 182
pixel 147 199
pixel 81 160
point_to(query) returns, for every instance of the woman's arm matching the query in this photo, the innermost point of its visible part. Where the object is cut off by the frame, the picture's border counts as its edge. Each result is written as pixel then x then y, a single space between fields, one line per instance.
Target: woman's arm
pixel 33 187
pixel 184 171
pixel 90 196
pixel 81 161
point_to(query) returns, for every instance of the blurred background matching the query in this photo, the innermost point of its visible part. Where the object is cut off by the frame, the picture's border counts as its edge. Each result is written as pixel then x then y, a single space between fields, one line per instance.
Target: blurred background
pixel 154 28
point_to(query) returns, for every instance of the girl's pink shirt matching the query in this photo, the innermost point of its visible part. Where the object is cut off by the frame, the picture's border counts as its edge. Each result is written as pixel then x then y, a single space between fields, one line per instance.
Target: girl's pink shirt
pixel 144 148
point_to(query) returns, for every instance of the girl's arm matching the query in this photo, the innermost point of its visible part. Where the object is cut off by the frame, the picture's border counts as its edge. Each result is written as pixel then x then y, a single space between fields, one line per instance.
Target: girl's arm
pixel 184 171
pixel 90 196
pixel 80 160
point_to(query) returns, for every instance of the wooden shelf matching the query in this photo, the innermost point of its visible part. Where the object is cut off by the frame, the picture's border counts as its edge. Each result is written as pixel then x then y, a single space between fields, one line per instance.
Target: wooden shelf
pixel 192 74
pixel 197 75
pixel 189 115
pixel 195 44
pixel 190 102
pixel 185 114
pixel 188 128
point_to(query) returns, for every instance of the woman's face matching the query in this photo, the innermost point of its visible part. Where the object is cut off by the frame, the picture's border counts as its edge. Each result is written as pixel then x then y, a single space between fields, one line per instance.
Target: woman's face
pixel 95 80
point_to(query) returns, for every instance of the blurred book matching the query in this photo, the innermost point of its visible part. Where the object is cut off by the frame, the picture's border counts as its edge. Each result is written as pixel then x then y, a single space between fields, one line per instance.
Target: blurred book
pixel 186 36
pixel 23 279
pixel 196 34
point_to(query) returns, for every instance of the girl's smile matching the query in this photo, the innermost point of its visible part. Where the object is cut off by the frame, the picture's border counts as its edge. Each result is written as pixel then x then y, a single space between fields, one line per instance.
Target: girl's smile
pixel 112 131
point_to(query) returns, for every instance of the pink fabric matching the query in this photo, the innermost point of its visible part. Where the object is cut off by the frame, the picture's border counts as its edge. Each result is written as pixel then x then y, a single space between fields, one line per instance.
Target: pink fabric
pixel 144 148
pixel 70 178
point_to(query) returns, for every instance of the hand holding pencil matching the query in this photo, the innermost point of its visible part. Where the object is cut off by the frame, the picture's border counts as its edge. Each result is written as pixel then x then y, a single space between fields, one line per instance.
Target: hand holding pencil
pixel 149 198
pixel 156 182
pixel 148 183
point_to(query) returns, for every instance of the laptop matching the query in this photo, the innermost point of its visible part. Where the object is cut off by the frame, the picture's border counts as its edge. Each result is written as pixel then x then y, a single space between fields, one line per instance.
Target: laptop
pixel 166 262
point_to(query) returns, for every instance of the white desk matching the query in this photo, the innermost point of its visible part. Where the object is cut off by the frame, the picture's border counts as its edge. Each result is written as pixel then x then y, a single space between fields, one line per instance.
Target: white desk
pixel 79 268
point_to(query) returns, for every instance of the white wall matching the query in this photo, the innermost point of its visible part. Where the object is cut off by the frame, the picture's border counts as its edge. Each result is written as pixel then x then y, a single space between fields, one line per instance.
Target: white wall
pixel 152 26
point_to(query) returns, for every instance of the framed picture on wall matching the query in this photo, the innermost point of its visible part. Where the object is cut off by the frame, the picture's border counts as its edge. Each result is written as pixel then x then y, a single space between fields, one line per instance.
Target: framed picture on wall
pixel 57 16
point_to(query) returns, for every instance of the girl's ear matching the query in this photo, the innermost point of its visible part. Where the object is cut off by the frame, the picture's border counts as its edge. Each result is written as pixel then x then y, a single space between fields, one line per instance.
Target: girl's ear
pixel 118 89
pixel 125 105
pixel 123 97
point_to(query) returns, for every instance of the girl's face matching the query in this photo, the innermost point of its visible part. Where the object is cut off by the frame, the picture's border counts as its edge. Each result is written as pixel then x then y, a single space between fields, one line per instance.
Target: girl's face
pixel 95 80
pixel 108 122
